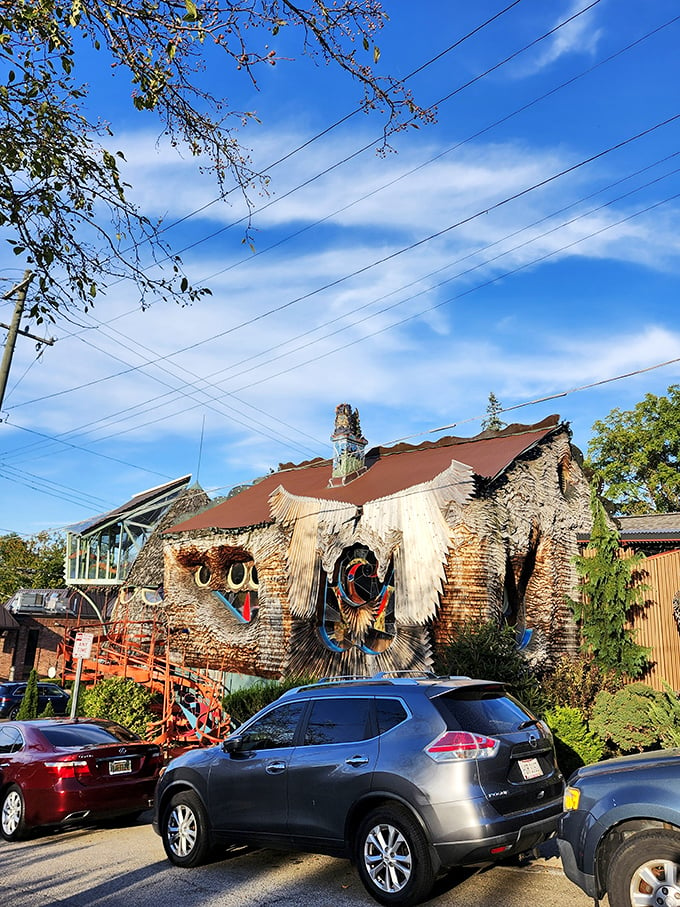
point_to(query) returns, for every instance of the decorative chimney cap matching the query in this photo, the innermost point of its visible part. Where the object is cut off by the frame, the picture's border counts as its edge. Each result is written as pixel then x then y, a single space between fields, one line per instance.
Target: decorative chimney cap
pixel 347 424
pixel 349 446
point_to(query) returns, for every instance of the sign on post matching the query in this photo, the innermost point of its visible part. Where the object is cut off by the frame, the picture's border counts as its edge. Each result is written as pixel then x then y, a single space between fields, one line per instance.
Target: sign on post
pixel 82 645
pixel 82 648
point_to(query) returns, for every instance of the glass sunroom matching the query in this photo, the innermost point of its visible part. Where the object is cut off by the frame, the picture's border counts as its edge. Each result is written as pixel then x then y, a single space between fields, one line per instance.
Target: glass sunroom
pixel 101 551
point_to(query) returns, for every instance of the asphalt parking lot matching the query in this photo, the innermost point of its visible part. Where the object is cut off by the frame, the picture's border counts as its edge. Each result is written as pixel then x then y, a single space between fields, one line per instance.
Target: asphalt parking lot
pixel 126 867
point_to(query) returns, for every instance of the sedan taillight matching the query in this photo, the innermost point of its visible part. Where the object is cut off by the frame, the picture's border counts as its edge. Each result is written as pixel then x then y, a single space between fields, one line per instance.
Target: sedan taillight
pixel 69 768
pixel 453 745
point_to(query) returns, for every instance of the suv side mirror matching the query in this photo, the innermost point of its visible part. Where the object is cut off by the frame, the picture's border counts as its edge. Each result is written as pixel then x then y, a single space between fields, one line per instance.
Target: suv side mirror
pixel 232 744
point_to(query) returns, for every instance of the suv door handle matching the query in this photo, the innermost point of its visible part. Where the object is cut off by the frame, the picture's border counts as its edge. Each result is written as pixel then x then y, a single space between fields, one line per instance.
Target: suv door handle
pixel 275 768
pixel 356 761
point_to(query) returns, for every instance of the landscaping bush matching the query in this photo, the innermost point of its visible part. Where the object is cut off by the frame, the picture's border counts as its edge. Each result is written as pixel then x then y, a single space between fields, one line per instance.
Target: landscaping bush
pixel 242 704
pixel 575 681
pixel 575 743
pixel 121 700
pixel 29 704
pixel 625 719
pixel 488 651
pixel 665 712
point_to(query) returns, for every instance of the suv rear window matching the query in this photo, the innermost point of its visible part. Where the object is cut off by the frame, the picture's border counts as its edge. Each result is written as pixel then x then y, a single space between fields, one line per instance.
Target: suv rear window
pixel 481 711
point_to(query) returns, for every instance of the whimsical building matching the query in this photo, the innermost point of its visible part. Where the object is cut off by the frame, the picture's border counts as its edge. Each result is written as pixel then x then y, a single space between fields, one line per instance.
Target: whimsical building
pixel 366 562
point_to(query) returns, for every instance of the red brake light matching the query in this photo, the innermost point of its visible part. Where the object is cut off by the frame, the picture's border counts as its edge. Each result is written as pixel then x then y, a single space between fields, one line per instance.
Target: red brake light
pixel 68 768
pixel 462 745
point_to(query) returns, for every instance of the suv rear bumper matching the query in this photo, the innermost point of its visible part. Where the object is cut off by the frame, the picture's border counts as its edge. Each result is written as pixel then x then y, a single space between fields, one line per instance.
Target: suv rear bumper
pixel 496 846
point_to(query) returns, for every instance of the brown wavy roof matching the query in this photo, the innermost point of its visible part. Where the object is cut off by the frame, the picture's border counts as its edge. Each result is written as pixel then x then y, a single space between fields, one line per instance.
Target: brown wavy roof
pixel 390 470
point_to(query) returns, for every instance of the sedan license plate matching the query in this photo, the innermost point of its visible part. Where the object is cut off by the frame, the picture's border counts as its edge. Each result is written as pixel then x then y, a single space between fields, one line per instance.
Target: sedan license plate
pixel 530 768
pixel 120 767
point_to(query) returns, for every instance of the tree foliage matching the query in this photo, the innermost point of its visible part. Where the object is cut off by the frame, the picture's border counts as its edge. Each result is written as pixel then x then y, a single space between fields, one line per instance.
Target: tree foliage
pixel 611 591
pixel 244 703
pixel 36 562
pixel 575 743
pixel 635 455
pixel 64 204
pixel 121 700
pixel 626 718
pixel 488 651
pixel 575 681
pixel 28 710
pixel 493 419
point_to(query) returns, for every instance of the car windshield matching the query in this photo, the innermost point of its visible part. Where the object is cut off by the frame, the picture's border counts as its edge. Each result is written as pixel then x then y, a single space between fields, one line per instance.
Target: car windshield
pixel 77 735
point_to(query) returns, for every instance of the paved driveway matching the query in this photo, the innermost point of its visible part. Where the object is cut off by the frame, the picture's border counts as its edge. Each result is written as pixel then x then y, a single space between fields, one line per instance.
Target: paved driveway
pixel 126 867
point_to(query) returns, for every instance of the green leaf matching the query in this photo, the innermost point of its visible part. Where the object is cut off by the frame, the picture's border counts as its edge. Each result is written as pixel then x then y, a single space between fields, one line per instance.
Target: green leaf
pixel 192 11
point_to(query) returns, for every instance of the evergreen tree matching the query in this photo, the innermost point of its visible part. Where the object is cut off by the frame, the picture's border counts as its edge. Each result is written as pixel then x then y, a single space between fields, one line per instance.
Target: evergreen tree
pixel 29 704
pixel 493 418
pixel 610 594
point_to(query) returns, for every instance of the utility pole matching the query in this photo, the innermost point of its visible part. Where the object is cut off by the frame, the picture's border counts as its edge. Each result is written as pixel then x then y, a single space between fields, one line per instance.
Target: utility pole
pixel 13 329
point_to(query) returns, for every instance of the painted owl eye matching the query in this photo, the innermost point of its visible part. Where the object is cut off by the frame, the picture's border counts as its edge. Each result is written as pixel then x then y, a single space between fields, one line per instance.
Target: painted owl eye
pixel 202 576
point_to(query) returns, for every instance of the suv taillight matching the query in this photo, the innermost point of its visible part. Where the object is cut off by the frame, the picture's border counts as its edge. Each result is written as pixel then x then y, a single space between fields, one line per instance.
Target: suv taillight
pixel 462 745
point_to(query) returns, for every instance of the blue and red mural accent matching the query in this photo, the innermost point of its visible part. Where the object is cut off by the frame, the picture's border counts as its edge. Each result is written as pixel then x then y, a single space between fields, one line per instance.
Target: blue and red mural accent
pixel 357 608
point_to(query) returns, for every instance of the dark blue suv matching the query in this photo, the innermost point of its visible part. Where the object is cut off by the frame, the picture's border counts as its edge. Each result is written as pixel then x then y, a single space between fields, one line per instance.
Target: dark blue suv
pixel 406 776
pixel 11 695
pixel 619 834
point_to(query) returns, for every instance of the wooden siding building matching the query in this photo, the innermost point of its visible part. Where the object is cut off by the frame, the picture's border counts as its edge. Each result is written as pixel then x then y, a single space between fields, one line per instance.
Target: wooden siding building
pixel 657 535
pixel 365 562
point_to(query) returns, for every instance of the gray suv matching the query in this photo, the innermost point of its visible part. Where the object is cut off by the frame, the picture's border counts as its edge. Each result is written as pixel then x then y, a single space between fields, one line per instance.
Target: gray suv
pixel 405 775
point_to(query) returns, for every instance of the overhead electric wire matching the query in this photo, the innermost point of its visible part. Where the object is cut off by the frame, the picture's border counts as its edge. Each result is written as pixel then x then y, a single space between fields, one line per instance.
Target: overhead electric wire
pixel 394 324
pixel 469 290
pixel 373 142
pixel 348 116
pixel 424 240
pixel 387 258
pixel 552 91
pixel 407 173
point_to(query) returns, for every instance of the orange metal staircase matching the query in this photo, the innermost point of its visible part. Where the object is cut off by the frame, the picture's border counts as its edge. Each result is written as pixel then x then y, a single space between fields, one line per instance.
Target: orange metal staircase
pixel 191 712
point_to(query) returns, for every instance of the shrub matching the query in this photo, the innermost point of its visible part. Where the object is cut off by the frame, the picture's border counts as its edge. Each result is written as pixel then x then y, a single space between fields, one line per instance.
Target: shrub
pixel 121 700
pixel 665 712
pixel 486 650
pixel 242 704
pixel 575 681
pixel 48 711
pixel 625 720
pixel 29 704
pixel 575 743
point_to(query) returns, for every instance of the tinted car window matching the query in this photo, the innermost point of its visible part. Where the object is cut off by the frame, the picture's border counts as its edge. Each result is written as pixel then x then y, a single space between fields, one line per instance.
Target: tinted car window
pixel 10 740
pixel 72 735
pixel 390 713
pixel 481 712
pixel 49 689
pixel 338 721
pixel 275 729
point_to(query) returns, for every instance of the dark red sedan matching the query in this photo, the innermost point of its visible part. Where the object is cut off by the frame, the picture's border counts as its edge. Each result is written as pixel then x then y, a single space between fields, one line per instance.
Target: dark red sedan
pixel 59 770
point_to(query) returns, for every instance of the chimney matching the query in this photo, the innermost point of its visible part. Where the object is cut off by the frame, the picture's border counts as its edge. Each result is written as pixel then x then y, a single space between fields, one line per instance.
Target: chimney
pixel 349 446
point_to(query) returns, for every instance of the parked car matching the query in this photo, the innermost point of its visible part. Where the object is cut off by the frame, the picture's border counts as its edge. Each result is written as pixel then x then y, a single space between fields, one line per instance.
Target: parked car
pixel 619 834
pixel 11 695
pixel 405 775
pixel 60 770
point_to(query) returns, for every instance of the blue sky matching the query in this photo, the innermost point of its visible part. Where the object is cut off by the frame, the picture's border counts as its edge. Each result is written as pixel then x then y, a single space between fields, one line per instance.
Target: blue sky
pixel 525 244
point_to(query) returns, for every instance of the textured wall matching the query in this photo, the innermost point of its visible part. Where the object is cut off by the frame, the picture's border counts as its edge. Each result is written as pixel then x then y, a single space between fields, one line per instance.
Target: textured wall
pixel 513 541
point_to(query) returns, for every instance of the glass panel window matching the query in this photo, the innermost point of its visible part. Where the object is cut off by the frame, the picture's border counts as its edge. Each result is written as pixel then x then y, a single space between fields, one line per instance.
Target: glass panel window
pixel 338 721
pixel 390 713
pixel 275 729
